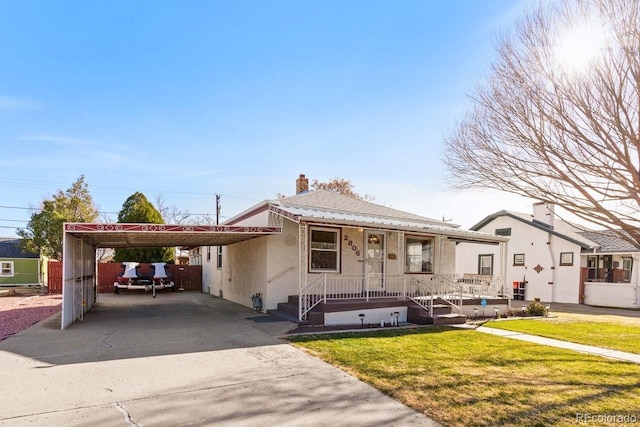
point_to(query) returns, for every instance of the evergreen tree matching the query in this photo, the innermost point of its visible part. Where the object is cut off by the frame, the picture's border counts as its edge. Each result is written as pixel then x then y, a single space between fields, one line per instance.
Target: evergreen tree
pixel 138 210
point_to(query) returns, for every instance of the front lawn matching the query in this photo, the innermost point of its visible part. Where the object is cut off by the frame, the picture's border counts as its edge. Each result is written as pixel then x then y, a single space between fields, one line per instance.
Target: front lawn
pixel 589 331
pixel 467 378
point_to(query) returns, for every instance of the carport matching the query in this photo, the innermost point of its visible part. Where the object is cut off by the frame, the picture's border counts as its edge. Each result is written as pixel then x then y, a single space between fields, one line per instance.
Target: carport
pixel 81 240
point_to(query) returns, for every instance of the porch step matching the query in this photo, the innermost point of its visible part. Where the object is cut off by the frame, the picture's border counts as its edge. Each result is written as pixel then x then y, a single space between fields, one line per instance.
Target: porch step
pixel 442 315
pixel 289 310
pixel 449 319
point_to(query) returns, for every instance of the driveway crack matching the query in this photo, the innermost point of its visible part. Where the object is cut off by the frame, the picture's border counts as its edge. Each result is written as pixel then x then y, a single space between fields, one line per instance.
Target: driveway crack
pixel 127 416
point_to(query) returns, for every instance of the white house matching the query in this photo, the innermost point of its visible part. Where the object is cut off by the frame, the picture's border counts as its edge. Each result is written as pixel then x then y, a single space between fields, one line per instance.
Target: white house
pixel 554 260
pixel 338 248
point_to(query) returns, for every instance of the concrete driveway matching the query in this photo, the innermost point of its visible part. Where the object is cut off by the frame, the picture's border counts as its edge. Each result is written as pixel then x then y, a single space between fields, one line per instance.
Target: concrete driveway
pixel 181 359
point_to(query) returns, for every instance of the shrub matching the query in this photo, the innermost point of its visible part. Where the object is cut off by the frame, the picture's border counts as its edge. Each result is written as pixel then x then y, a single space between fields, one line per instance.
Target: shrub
pixel 536 309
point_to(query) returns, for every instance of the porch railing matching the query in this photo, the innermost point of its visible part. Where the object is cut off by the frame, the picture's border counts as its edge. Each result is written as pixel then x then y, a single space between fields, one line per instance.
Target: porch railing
pixel 425 290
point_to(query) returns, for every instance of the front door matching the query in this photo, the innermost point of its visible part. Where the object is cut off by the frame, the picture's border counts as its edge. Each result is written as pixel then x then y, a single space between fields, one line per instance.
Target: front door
pixel 374 259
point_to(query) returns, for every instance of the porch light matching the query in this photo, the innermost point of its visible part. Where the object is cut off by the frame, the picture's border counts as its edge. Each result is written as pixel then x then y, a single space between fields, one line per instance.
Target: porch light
pixel 361 316
pixel 496 309
pixel 524 308
pixel 548 307
pixel 475 312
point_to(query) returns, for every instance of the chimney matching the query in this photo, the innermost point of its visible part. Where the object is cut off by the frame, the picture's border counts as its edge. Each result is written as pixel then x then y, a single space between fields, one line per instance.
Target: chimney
pixel 543 212
pixel 302 184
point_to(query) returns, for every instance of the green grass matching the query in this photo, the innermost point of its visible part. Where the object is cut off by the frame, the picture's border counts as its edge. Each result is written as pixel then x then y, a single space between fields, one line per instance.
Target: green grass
pixel 467 378
pixel 623 337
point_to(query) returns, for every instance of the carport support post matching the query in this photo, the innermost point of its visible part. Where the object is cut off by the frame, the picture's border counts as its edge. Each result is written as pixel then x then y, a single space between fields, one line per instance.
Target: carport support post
pixel 302 264
pixel 67 280
pixel 78 277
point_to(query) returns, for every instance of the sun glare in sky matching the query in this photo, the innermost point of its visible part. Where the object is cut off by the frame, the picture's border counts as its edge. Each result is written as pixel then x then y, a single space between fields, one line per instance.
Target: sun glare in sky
pixel 580 45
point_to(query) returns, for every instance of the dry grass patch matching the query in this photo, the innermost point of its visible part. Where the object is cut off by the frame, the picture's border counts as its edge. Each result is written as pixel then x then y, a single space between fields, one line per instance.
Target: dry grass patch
pixel 465 378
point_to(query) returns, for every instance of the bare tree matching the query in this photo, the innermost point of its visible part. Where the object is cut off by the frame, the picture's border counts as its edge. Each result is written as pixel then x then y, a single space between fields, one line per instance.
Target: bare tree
pixel 558 126
pixel 341 186
pixel 171 213
pixel 203 219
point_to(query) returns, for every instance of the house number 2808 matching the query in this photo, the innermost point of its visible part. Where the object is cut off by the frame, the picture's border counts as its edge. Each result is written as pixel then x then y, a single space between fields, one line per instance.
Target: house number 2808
pixel 350 243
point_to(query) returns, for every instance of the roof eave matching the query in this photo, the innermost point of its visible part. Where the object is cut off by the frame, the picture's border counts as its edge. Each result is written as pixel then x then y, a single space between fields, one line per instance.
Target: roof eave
pixel 453 233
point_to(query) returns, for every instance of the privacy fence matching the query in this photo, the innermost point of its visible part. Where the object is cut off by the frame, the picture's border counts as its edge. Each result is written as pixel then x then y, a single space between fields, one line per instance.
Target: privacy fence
pixel 188 277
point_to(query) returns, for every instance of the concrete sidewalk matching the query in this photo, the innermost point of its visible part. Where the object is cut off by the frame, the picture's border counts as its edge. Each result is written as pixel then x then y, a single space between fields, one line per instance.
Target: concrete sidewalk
pixel 581 348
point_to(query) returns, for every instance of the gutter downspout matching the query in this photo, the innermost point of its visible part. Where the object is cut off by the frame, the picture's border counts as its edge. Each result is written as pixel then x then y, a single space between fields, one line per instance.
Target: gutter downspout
pixel 553 269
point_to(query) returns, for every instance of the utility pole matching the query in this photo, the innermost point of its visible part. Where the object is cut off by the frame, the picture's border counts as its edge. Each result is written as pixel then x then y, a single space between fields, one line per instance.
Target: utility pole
pixel 219 248
pixel 217 209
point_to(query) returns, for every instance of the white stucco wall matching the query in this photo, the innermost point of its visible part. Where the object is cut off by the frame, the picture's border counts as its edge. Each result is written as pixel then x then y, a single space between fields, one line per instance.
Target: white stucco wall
pixel 446 250
pixel 260 219
pixel 566 279
pixel 211 275
pixel 612 295
pixel 244 270
pixel 553 283
pixel 282 266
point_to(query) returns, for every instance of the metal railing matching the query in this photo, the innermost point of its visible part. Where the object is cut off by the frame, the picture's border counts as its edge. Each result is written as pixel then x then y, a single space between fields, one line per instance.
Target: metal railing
pixel 425 290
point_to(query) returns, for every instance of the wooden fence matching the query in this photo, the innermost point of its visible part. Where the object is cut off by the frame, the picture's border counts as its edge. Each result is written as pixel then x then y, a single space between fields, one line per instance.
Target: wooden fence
pixel 189 277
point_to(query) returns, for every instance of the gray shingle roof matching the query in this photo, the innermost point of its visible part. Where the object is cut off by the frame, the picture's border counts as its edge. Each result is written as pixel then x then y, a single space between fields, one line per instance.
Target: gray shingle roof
pixel 609 241
pixel 324 205
pixel 328 201
pixel 10 248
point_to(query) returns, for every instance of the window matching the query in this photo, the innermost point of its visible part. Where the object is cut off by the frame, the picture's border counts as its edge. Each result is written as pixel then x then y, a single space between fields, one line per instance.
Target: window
pixel 627 263
pixel 566 258
pixel 208 253
pixel 219 260
pixel 485 265
pixel 419 255
pixel 324 250
pixel 518 259
pixel 6 269
pixel 503 232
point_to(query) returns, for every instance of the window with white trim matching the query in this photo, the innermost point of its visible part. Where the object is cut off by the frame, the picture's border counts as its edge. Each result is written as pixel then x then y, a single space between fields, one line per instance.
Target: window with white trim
pixel 485 265
pixel 324 250
pixel 627 264
pixel 419 255
pixel 6 269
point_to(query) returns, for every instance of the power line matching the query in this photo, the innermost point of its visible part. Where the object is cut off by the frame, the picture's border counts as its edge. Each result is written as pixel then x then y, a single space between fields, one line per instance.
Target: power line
pixel 19 207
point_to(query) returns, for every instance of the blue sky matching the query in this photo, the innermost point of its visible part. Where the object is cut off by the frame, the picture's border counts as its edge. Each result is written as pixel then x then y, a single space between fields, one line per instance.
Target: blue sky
pixel 191 98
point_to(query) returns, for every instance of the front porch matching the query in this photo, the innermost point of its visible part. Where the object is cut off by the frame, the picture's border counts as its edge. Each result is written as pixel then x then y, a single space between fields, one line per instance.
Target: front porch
pixel 383 300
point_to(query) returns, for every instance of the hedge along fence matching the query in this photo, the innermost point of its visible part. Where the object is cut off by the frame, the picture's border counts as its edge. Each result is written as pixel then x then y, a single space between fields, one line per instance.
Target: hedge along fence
pixel 188 277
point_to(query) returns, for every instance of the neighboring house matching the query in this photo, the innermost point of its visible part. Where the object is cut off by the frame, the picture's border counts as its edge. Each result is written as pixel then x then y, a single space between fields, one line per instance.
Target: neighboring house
pixel 554 260
pixel 338 248
pixel 609 273
pixel 18 268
